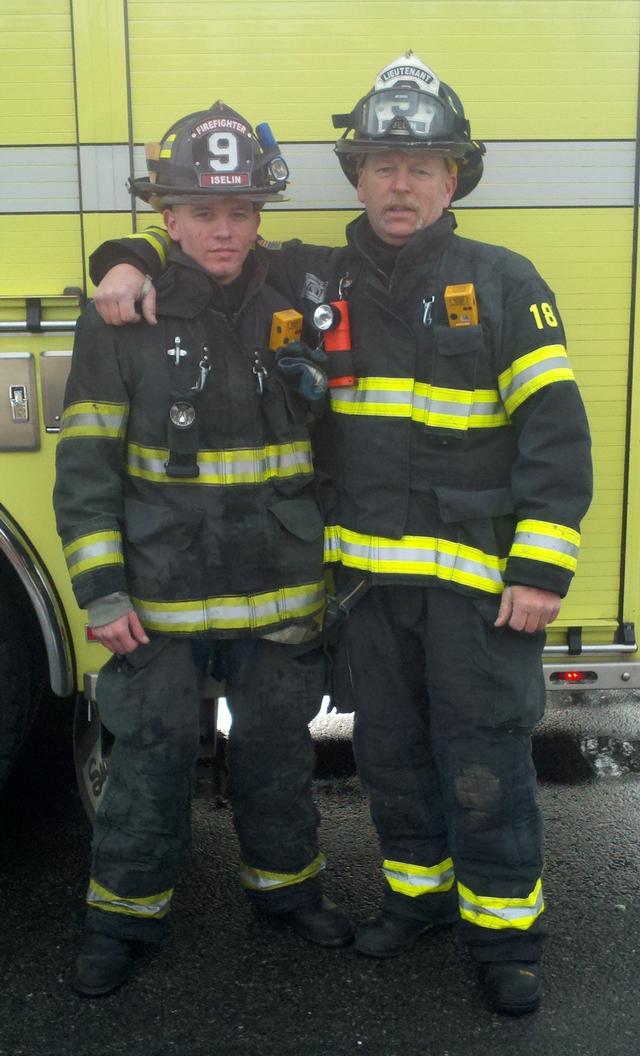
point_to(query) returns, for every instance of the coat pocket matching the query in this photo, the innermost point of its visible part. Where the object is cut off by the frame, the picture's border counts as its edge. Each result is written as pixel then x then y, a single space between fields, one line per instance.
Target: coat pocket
pixel 163 551
pixel 485 519
pixel 449 399
pixel 298 539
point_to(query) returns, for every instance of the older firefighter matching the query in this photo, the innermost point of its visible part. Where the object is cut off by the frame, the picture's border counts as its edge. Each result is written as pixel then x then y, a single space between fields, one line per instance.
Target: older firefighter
pixel 185 503
pixel 460 456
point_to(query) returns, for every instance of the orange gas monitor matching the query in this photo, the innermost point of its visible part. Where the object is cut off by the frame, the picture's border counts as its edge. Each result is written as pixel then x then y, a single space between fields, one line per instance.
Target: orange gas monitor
pixel 461 304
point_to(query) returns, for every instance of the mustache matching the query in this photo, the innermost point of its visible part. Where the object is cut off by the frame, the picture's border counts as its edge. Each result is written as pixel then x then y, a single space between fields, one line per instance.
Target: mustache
pixel 403 203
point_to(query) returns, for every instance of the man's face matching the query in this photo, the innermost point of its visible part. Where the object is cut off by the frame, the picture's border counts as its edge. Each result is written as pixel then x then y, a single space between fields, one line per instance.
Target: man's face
pixel 404 191
pixel 217 234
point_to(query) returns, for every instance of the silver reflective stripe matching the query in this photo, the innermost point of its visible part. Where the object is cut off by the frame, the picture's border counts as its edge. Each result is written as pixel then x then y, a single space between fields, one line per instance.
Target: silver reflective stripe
pixel 546 542
pixel 370 555
pixel 404 398
pixel 226 467
pixel 93 419
pixel 264 880
pixel 508 914
pixel 93 552
pixel 244 611
pixel 534 371
pixel 365 395
pixel 422 881
pixel 102 898
pixel 44 179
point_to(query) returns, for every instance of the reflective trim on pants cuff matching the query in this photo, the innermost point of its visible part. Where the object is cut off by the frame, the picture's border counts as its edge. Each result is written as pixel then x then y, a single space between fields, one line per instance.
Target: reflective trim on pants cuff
pixel 262 880
pixel 497 913
pixel 414 880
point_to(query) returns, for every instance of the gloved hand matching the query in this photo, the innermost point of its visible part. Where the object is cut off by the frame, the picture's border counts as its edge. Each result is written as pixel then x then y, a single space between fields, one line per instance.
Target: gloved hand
pixel 300 367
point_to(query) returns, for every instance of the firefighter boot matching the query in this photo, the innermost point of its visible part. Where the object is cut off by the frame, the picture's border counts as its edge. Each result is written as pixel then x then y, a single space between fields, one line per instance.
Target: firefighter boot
pixel 511 987
pixel 103 964
pixel 388 934
pixel 322 923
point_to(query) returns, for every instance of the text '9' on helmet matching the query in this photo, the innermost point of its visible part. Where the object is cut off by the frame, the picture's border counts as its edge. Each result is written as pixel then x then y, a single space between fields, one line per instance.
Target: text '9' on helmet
pixel 212 152
pixel 409 108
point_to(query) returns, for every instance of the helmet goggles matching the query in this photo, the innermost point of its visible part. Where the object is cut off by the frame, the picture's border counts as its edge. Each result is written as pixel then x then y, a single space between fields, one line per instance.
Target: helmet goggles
pixel 402 111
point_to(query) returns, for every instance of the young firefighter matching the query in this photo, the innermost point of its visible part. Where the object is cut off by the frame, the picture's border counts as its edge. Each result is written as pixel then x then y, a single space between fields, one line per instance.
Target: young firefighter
pixel 185 502
pixel 461 459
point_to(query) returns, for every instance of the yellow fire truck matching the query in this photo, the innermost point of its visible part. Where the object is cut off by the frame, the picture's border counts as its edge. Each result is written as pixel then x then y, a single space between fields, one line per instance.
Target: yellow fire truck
pixel 551 86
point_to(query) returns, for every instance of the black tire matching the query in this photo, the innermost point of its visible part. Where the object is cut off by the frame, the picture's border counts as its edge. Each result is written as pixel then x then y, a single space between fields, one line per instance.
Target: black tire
pixel 22 677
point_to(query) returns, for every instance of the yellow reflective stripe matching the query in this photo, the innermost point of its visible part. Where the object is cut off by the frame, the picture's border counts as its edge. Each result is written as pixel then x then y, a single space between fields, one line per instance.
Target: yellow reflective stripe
pixel 263 880
pixel 92 419
pixel 413 880
pixel 532 372
pixel 240 611
pixel 416 555
pixel 458 408
pixel 554 544
pixel 241 466
pixel 499 913
pixel 429 405
pixel 93 551
pixel 151 906
pixel 166 153
pixel 157 238
pixel 387 397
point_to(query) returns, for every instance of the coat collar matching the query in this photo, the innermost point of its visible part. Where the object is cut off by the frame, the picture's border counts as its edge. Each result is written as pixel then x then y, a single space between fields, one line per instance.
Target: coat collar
pixel 185 289
pixel 423 246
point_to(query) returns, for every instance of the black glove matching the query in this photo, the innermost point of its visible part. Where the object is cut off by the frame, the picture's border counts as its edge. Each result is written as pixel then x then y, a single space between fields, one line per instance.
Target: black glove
pixel 300 369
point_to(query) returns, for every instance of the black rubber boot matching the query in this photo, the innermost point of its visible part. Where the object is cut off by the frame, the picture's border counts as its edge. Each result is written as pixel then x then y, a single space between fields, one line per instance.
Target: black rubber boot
pixel 323 923
pixel 511 987
pixel 387 935
pixel 103 964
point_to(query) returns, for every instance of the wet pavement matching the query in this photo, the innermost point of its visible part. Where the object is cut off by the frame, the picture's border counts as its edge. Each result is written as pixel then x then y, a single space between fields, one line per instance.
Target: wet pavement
pixel 227 983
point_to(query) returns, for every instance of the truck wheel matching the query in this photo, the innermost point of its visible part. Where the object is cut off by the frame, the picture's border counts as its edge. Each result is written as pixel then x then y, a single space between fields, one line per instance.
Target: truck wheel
pixel 21 680
pixel 91 750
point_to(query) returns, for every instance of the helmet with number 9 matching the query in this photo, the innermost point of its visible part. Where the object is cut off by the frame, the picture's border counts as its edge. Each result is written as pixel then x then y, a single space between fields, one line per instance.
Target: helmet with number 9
pixel 212 151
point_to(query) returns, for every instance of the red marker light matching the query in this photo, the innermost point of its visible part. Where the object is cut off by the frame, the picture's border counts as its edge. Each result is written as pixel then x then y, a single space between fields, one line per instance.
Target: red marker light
pixel 573 677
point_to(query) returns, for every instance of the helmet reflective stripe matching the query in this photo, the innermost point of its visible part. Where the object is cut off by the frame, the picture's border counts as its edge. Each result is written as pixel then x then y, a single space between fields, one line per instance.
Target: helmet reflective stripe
pixel 154 906
pixel 498 913
pixel 241 611
pixel 415 880
pixel 416 555
pixel 262 880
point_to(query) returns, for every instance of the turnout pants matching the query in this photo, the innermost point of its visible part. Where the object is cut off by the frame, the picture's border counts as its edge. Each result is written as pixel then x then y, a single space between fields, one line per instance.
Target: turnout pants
pixel 150 702
pixel 444 709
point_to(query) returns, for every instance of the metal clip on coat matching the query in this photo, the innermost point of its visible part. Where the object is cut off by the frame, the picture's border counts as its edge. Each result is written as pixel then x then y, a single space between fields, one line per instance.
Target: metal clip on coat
pixel 332 322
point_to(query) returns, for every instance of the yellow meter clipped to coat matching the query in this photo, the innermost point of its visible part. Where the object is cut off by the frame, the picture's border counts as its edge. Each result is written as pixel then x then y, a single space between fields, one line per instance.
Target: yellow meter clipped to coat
pixel 286 326
pixel 461 304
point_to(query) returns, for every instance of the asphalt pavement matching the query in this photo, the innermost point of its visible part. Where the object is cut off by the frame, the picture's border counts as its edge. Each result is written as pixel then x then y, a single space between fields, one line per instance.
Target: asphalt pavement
pixel 228 983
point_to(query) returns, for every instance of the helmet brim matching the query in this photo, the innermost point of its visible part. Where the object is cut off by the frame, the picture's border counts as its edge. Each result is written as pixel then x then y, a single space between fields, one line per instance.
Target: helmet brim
pixel 153 193
pixel 467 155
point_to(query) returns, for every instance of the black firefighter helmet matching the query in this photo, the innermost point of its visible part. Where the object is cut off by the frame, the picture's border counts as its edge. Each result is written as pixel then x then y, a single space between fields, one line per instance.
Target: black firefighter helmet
pixel 209 152
pixel 409 108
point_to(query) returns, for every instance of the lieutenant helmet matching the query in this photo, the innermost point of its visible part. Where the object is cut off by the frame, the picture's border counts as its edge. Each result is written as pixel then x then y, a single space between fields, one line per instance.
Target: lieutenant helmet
pixel 213 151
pixel 410 108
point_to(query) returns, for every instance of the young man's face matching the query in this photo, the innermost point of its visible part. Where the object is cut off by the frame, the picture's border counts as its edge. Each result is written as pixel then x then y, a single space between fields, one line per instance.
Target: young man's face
pixel 404 191
pixel 217 234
